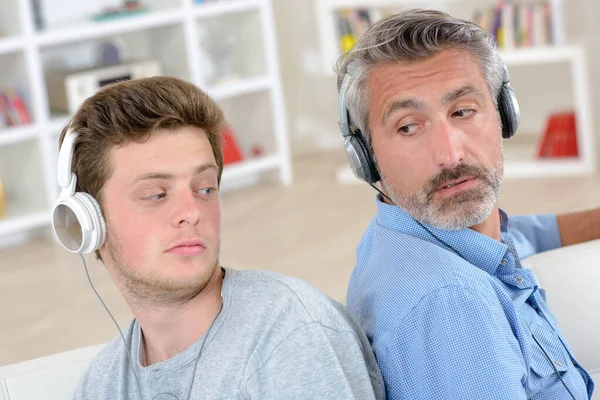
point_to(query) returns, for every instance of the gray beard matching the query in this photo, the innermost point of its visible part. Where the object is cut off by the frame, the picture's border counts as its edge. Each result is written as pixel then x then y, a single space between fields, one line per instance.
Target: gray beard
pixel 462 210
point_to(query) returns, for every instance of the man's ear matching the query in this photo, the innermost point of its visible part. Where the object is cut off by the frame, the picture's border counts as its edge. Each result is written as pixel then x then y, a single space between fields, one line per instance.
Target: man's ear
pixel 102 253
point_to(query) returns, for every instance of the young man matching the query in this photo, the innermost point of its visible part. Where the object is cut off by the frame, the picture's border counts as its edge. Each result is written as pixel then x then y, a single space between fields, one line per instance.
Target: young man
pixel 149 152
pixel 438 285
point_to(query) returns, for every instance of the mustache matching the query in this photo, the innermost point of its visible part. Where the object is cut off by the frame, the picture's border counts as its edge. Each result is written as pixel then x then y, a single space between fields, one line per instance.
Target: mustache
pixel 452 174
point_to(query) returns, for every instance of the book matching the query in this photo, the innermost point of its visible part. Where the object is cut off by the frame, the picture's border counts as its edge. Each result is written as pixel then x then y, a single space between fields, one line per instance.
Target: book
pixel 16 99
pixel 354 23
pixel 13 108
pixel 346 36
pixel 520 23
pixel 231 150
pixel 5 112
pixel 560 136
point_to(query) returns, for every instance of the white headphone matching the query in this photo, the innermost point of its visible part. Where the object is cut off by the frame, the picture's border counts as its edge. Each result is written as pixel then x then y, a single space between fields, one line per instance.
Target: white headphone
pixel 77 220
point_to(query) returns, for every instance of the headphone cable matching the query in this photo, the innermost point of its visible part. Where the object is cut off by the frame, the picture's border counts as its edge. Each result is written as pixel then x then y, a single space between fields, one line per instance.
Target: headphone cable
pixel 116 324
pixel 460 255
pixel 420 224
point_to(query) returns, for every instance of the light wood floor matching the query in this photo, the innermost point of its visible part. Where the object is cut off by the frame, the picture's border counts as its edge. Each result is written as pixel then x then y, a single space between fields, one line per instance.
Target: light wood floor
pixel 308 230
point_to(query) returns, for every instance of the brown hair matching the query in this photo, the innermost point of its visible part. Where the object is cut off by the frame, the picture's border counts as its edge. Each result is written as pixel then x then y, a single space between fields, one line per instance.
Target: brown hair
pixel 131 111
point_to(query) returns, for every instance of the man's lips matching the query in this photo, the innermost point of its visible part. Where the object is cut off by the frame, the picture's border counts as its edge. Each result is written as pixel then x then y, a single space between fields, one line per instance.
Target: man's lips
pixel 187 248
pixel 456 185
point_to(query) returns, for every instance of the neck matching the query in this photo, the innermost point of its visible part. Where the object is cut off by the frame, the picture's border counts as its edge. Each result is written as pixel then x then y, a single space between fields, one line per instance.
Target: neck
pixel 167 331
pixel 490 226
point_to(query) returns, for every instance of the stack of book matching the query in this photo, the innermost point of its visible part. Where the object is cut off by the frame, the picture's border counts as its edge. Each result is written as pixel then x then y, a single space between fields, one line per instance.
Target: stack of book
pixel 13 110
pixel 353 23
pixel 523 23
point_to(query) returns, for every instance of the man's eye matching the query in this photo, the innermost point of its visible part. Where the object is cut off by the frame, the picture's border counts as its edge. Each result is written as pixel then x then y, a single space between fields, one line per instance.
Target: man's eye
pixel 157 196
pixel 408 129
pixel 206 191
pixel 464 113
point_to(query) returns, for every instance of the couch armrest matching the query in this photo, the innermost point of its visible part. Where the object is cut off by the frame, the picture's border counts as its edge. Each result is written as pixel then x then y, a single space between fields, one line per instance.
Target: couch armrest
pixel 571 277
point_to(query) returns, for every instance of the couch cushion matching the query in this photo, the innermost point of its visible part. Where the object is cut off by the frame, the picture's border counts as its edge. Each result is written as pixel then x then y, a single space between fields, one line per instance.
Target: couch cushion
pixel 571 278
pixel 52 377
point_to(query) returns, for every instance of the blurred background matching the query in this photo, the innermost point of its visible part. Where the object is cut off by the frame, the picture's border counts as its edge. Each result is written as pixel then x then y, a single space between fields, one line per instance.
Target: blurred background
pixel 289 203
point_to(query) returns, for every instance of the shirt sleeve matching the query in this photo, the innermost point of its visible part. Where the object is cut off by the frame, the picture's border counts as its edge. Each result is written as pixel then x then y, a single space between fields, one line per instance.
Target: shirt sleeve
pixel 534 234
pixel 453 345
pixel 317 362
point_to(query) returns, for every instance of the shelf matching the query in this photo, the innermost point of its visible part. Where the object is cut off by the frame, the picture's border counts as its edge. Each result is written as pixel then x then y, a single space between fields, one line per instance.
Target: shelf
pixel 225 7
pixel 548 168
pixel 11 44
pixel 17 134
pixel 172 36
pixel 239 88
pixel 93 30
pixel 539 55
pixel 19 223
pixel 250 167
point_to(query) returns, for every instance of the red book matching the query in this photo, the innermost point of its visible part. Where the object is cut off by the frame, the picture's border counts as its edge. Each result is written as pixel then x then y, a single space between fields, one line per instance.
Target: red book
pixel 5 111
pixel 12 111
pixel 231 150
pixel 19 105
pixel 560 137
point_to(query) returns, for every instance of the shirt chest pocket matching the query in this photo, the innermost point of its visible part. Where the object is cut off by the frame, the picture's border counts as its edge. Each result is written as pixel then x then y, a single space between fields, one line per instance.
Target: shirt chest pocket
pixel 548 354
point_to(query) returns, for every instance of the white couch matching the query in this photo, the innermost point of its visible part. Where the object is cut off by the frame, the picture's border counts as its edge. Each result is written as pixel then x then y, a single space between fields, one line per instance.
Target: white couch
pixel 571 277
pixel 49 378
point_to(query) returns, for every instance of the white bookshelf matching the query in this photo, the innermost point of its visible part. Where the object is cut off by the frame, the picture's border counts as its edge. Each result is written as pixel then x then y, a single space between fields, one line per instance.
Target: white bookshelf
pixel 171 32
pixel 520 161
pixel 11 44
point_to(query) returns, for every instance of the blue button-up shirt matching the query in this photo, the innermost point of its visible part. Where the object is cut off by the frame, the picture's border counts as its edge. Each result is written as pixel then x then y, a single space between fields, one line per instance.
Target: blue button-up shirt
pixel 447 327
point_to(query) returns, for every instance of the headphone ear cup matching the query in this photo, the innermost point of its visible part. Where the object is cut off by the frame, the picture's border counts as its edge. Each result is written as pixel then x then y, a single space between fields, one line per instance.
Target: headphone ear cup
pixel 510 114
pixel 98 232
pixel 360 158
pixel 79 224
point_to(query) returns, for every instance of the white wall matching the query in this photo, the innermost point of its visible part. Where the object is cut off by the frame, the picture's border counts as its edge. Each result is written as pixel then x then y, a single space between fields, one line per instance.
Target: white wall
pixel 311 96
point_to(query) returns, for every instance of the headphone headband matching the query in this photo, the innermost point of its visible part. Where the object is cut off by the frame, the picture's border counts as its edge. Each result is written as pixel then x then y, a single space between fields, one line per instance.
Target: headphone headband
pixel 65 159
pixel 77 220
pixel 343 112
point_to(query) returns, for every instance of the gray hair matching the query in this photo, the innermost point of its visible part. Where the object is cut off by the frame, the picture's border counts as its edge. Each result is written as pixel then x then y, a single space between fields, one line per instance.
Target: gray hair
pixel 412 36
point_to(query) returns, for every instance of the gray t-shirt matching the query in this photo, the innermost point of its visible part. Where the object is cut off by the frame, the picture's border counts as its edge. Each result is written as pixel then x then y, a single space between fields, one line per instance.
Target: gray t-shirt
pixel 275 338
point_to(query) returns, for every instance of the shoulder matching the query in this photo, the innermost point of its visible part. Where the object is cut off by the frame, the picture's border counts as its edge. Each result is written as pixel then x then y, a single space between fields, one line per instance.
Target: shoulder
pixel 399 272
pixel 302 331
pixel 405 269
pixel 291 296
pixel 105 370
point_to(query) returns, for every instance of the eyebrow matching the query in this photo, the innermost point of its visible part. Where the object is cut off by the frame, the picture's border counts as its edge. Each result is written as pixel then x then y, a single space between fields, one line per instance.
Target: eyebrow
pixel 451 97
pixel 165 176
pixel 402 105
pixel 416 104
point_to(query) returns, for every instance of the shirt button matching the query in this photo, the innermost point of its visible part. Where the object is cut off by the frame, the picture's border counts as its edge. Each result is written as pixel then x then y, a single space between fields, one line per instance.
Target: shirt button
pixel 504 261
pixel 518 280
pixel 558 363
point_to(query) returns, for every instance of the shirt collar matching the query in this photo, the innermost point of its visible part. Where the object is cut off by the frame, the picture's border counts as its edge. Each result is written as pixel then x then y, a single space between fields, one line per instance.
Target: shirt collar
pixel 476 248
